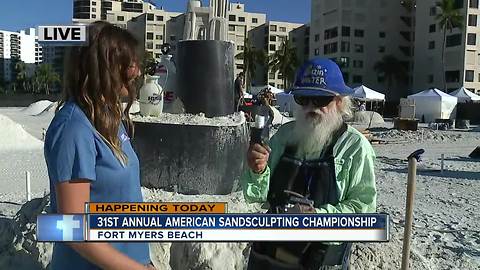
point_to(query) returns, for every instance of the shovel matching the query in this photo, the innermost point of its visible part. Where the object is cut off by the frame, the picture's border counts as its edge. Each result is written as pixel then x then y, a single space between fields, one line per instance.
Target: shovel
pixel 412 175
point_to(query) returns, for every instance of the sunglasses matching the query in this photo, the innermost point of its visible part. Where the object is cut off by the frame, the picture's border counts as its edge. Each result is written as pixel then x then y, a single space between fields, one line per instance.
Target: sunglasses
pixel 319 101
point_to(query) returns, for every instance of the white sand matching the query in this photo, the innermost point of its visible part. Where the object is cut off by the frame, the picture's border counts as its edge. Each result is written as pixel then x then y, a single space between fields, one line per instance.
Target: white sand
pixel 14 137
pixel 446 232
pixel 193 119
pixel 37 107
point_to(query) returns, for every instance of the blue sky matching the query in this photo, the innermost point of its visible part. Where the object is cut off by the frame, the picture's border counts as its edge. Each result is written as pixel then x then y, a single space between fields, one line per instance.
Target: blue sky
pixel 20 14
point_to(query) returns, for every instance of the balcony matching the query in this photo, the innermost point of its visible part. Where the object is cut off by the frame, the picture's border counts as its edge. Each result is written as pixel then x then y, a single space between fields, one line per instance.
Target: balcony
pixel 406 35
pixel 406 20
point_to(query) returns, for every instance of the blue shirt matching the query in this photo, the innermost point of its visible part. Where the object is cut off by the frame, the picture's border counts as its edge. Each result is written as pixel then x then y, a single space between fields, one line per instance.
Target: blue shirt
pixel 75 150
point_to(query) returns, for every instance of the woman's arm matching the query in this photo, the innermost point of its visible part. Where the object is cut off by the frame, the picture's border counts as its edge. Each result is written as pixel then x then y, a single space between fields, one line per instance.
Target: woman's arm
pixel 71 199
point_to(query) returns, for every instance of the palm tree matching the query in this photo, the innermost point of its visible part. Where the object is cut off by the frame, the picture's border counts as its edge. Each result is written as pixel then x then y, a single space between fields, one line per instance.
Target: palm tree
pixel 392 70
pixel 251 57
pixel 47 76
pixel 448 19
pixel 285 61
pixel 21 74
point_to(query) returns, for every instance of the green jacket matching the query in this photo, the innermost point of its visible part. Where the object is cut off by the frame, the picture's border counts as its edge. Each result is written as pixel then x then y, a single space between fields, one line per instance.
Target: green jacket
pixel 354 158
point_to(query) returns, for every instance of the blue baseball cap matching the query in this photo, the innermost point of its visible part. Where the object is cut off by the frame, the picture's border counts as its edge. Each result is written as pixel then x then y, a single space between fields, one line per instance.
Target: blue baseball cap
pixel 320 77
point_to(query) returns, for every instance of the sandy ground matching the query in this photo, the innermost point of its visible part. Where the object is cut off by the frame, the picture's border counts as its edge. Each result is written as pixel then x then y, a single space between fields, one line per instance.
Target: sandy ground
pixel 446 233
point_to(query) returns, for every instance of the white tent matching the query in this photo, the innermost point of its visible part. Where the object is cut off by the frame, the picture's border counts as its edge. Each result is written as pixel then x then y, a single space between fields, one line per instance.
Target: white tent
pixel 364 93
pixel 434 104
pixel 464 95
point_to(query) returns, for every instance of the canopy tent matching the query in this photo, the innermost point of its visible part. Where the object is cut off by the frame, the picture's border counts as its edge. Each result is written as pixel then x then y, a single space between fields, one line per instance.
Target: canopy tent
pixel 434 104
pixel 364 93
pixel 464 95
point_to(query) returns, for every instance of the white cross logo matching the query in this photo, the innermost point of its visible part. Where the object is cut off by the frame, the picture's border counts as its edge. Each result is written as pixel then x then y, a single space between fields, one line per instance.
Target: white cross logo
pixel 67 225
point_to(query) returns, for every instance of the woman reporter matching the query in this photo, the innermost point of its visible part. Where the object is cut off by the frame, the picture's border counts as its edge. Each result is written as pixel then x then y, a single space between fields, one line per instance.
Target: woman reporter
pixel 87 148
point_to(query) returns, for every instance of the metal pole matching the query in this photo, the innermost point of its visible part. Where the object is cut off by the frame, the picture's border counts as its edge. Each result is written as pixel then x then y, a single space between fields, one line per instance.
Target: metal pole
pixel 27 186
pixel 442 163
pixel 412 175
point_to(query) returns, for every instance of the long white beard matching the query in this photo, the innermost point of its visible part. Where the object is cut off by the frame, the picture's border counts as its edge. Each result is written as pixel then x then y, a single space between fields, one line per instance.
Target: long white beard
pixel 313 133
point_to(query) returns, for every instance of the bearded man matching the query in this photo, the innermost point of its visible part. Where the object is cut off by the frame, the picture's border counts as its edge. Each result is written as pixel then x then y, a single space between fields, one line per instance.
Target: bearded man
pixel 318 156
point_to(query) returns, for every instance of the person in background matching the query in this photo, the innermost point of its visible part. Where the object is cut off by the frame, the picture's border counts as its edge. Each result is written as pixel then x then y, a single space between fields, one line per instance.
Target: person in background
pixel 87 147
pixel 363 106
pixel 319 157
pixel 239 90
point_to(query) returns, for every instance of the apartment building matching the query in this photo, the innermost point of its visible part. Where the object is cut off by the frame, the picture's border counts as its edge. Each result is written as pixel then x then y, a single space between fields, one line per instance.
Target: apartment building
pixel 156 28
pixel 357 34
pixel 300 38
pixel 269 38
pixel 462 49
pixel 240 22
pixel 115 11
pixel 16 46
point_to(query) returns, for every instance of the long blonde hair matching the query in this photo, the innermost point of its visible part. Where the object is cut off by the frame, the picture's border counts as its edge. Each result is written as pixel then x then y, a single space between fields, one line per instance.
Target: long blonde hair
pixel 94 77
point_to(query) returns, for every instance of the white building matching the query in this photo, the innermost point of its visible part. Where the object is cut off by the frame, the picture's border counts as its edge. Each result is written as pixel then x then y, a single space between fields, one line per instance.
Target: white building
pixel 462 49
pixel 16 46
pixel 358 34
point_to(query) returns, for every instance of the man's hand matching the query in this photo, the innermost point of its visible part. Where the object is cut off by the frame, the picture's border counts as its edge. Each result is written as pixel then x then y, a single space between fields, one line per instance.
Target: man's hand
pixel 257 157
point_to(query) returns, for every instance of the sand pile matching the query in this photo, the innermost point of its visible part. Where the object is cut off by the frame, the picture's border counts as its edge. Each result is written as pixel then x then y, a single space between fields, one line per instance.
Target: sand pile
pixel 193 119
pixel 365 118
pixel 14 137
pixel 38 107
pixel 419 135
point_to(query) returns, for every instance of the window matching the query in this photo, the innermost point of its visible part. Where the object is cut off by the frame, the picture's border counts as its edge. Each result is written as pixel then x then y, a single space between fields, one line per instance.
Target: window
pixel 358 48
pixel 272 47
pixel 345 46
pixel 433 11
pixel 173 38
pixel 157 55
pixel 240 48
pixel 469 75
pixel 160 18
pixel 120 18
pixel 94 16
pixel 150 45
pixel 271 76
pixel 254 20
pixel 381 34
pixel 150 17
pixel 330 48
pixel 430 78
pixel 317 52
pixel 273 28
pixel 431 45
pixel 94 3
pixel 452 76
pixel 94 10
pixel 231 27
pixel 471 39
pixel 273 38
pixel 359 33
pixel 331 33
pixel 149 35
pixel 432 28
pixel 472 20
pixel 345 31
pixel 473 4
pixel 232 18
pixel 283 29
pixel 158 46
pixel 159 37
pixel 357 79
pixel 381 49
pixel 357 63
pixel 344 62
pixel 317 37
pixel 241 19
pixel 454 40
